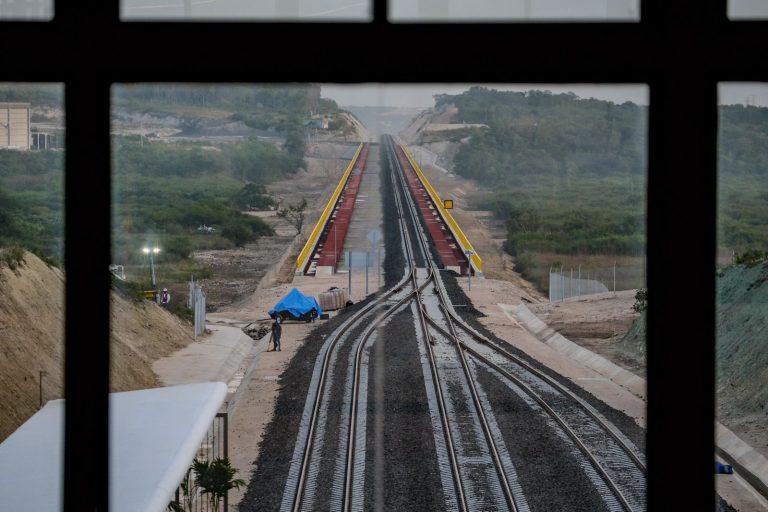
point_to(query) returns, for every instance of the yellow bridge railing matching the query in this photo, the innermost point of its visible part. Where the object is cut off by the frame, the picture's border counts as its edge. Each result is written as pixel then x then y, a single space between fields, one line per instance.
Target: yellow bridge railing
pixel 476 261
pixel 309 247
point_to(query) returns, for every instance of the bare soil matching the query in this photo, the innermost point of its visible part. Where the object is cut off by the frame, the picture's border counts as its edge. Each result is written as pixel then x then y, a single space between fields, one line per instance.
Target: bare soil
pixel 597 323
pixel 32 340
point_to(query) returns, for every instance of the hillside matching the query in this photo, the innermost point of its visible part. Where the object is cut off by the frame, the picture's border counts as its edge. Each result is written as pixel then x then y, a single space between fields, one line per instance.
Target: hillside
pixel 742 352
pixel 31 340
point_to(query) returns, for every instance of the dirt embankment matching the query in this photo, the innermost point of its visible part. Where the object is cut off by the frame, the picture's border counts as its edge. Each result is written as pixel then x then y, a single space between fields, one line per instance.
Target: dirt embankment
pixel 31 340
pixel 742 352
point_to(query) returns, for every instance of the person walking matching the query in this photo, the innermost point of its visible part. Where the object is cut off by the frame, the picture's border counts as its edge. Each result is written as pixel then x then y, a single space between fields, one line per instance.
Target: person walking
pixel 165 298
pixel 276 331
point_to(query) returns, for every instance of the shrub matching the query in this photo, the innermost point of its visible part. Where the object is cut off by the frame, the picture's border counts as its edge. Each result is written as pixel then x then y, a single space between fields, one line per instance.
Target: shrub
pixel 13 256
pixel 751 257
pixel 238 233
pixel 178 247
pixel 641 300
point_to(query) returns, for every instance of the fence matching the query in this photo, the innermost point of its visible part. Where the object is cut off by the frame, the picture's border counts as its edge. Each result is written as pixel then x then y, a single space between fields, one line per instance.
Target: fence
pixel 215 445
pixel 577 281
pixel 196 303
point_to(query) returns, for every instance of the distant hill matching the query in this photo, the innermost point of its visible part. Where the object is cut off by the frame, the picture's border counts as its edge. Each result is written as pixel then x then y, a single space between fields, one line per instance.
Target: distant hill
pixel 382 120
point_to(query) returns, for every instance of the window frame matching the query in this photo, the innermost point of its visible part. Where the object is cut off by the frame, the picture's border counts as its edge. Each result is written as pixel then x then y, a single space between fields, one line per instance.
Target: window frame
pixel 680 49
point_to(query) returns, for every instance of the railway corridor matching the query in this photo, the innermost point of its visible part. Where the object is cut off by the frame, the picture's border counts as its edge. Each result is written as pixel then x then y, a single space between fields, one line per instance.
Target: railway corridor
pixel 410 408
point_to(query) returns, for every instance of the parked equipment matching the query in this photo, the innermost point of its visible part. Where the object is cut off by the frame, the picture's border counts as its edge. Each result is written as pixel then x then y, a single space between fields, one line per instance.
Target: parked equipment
pixel 296 306
pixel 334 298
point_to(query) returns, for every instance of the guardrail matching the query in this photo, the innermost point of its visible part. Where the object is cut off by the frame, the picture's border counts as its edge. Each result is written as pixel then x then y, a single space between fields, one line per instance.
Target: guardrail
pixel 309 247
pixel 461 238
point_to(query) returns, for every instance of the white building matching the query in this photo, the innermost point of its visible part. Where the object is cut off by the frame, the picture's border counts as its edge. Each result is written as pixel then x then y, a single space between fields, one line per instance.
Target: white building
pixel 15 126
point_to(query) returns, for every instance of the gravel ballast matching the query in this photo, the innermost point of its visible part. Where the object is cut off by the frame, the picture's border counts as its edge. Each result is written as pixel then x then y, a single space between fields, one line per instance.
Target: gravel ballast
pixel 402 473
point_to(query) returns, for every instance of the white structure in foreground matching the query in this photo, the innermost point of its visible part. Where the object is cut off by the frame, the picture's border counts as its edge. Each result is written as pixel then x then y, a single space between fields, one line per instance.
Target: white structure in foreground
pixel 154 435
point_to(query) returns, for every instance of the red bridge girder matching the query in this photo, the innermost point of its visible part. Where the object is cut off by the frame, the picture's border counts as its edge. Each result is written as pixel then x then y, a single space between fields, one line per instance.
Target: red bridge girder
pixel 445 244
pixel 331 244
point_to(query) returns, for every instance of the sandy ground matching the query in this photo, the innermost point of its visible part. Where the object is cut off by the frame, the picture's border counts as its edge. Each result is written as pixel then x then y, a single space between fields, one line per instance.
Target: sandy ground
pixel 595 322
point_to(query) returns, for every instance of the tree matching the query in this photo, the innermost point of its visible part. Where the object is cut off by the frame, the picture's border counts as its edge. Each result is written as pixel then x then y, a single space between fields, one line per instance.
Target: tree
pixel 238 233
pixel 255 196
pixel 294 143
pixel 215 478
pixel 294 214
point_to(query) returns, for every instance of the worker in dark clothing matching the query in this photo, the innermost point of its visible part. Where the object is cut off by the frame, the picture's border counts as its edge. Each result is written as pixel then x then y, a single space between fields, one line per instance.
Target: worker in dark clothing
pixel 165 298
pixel 276 331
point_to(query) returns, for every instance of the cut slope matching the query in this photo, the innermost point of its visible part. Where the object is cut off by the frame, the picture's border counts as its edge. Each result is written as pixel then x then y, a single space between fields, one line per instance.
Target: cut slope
pixel 742 349
pixel 31 340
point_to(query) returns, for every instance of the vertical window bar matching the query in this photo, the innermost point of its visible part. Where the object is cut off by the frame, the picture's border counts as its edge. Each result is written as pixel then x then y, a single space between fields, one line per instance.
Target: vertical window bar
pixel 87 16
pixel 682 187
pixel 87 257
pixel 380 12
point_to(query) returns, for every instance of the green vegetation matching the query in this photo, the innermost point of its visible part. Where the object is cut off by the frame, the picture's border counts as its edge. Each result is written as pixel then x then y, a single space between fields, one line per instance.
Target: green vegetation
pixel 31 202
pixel 211 478
pixel 12 256
pixel 275 108
pixel 568 174
pixel 39 94
pixel 751 258
pixel 641 300
pixel 189 188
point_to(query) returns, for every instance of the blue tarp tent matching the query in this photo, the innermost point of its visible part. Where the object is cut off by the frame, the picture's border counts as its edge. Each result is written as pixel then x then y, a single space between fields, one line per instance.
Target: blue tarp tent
pixel 297 305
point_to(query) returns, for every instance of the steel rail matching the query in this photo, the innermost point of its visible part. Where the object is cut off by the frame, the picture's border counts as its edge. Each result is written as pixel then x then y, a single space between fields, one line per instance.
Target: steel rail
pixel 470 379
pixel 588 409
pixel 450 446
pixel 553 414
pixel 481 411
pixel 346 326
pixel 566 428
pixel 349 476
pixel 410 276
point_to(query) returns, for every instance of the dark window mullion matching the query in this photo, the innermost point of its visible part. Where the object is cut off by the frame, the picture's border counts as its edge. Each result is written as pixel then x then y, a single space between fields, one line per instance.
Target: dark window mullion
pixel 87 257
pixel 682 190
pixel 84 17
pixel 380 10
pixel 682 185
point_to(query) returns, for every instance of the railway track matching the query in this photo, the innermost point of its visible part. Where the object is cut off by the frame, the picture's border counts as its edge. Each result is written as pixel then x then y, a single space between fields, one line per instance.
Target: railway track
pixel 475 466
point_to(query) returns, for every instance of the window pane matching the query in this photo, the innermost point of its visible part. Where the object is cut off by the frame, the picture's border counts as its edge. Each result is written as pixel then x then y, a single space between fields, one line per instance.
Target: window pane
pixel 742 268
pixel 243 10
pixel 32 280
pixel 41 10
pixel 517 10
pixel 747 9
pixel 230 200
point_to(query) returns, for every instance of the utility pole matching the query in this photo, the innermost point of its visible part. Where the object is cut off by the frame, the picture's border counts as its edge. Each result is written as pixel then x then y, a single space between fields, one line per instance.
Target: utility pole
pixel 41 387
pixel 349 273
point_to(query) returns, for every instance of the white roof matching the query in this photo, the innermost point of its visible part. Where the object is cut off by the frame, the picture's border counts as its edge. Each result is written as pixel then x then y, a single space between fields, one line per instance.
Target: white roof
pixel 154 435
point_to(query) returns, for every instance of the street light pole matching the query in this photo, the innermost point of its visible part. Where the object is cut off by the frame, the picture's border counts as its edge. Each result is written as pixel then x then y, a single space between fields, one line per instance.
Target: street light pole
pixel 151 252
